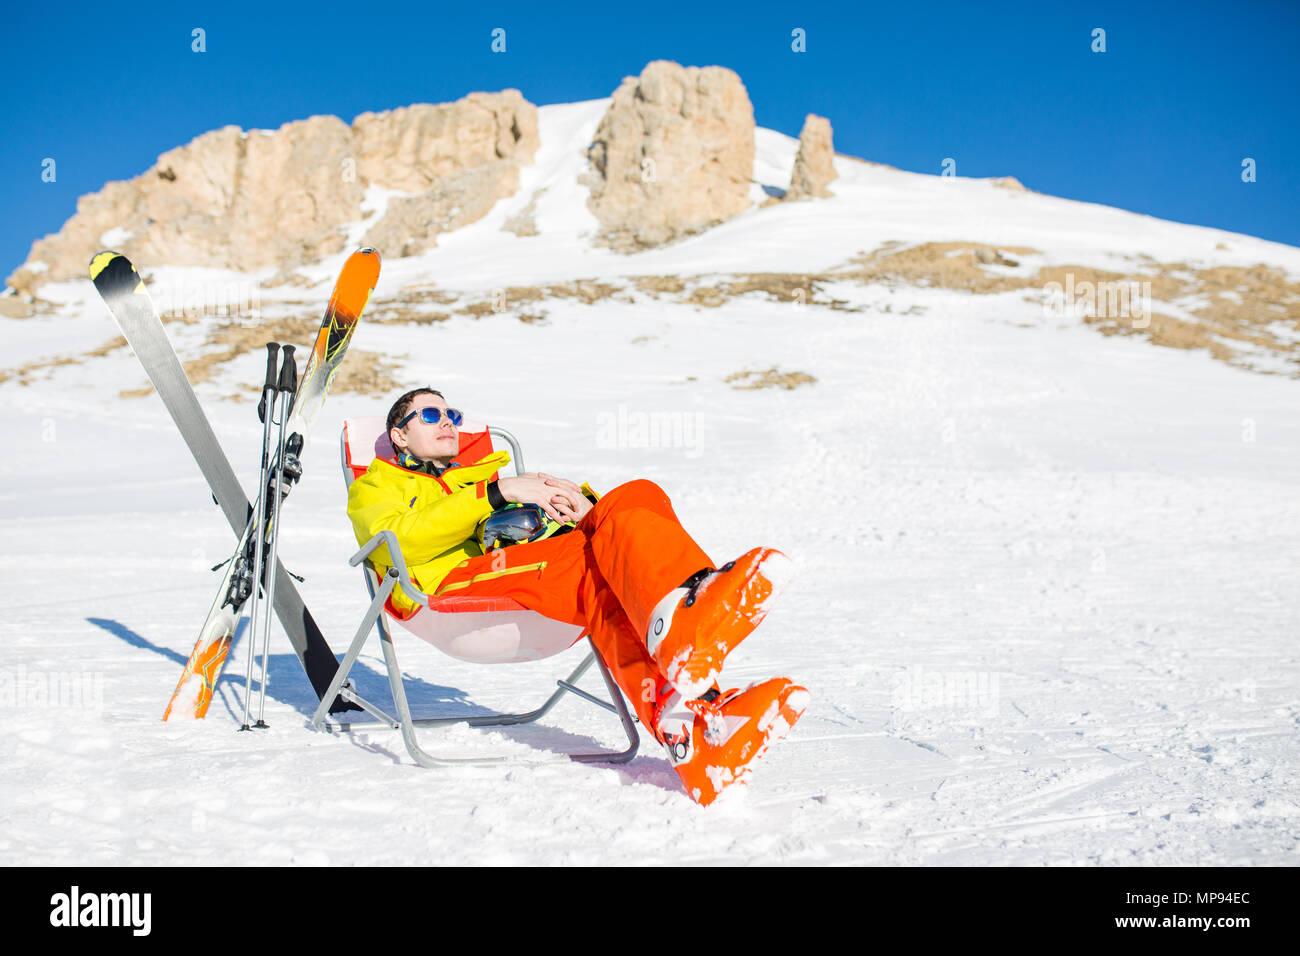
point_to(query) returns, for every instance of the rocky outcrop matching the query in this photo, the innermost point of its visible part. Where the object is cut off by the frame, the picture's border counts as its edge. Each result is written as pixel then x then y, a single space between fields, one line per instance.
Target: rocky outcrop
pixel 411 225
pixel 673 155
pixel 251 200
pixel 814 165
pixel 412 147
pixel 524 222
pixel 15 307
pixel 459 158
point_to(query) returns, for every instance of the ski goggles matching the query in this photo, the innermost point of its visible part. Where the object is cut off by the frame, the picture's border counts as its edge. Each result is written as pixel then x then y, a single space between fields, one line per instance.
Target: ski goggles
pixel 431 416
pixel 513 524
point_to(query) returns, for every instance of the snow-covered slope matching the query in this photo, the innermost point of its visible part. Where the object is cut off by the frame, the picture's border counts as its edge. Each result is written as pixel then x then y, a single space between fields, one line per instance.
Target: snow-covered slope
pixel 1045 605
pixel 872 204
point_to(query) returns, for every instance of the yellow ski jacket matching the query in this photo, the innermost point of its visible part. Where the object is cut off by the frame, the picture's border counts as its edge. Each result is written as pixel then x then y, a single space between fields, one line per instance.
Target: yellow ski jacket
pixel 434 518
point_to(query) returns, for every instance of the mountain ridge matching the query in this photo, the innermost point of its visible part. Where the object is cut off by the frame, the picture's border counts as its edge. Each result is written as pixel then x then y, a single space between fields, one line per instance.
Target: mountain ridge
pixel 530 232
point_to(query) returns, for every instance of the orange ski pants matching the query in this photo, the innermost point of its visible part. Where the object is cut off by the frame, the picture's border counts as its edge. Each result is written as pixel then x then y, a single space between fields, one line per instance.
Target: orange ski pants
pixel 606 575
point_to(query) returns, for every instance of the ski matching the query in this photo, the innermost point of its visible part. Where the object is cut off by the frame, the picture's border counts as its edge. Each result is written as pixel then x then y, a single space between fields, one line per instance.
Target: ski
pixel 198 681
pixel 124 294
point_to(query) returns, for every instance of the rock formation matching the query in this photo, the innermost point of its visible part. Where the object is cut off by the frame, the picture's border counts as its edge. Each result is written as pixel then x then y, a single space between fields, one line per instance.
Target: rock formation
pixel 813 164
pixel 673 154
pixel 249 200
pixel 411 147
pixel 412 224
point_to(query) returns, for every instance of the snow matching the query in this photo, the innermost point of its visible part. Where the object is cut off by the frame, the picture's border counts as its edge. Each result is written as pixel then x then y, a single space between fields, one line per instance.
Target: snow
pixel 374 204
pixel 114 237
pixel 1044 599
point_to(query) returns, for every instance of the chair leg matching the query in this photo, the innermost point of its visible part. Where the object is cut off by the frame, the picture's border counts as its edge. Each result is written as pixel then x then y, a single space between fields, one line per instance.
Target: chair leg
pixel 566 686
pixel 628 721
pixel 358 641
pixel 404 722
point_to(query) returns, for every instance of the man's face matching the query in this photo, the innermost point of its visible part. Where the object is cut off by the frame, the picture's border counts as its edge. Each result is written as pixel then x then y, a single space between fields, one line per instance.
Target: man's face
pixel 438 442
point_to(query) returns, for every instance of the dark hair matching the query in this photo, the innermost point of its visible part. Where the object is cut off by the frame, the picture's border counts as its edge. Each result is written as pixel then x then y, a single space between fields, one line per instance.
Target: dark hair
pixel 403 405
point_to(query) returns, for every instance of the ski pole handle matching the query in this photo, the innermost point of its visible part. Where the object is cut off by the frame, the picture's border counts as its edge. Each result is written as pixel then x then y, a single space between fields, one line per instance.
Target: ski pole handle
pixel 288 371
pixel 272 349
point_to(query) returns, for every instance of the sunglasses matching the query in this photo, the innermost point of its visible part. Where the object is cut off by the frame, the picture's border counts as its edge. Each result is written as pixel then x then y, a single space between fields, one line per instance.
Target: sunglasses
pixel 431 416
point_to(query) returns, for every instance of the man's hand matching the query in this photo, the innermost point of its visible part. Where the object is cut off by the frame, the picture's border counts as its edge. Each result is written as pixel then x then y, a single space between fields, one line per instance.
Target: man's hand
pixel 570 495
pixel 560 498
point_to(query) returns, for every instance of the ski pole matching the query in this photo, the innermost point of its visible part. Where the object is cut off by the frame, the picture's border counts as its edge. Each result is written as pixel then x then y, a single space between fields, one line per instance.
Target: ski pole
pixel 288 385
pixel 265 412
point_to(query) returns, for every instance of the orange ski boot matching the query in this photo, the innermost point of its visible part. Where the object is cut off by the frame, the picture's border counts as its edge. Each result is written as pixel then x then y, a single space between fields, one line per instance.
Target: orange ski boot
pixel 714 740
pixel 696 625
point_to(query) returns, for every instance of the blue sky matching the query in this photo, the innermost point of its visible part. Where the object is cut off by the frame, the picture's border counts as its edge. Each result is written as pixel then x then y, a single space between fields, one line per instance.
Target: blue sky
pixel 1159 123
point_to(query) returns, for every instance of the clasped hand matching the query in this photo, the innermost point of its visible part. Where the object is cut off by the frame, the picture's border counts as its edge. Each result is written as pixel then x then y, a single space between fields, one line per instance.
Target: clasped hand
pixel 560 498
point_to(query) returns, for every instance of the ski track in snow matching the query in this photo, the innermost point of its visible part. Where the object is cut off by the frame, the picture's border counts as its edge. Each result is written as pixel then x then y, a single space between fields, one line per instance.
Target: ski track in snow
pixel 1044 599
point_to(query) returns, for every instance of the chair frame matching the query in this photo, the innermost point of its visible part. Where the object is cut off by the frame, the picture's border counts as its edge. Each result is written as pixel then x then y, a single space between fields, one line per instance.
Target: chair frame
pixel 374 620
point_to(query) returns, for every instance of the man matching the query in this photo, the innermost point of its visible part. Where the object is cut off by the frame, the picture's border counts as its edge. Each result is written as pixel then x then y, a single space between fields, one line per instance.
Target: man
pixel 659 614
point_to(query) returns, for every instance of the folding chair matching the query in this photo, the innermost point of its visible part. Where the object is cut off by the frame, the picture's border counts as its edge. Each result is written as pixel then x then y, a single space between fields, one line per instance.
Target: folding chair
pixel 488 630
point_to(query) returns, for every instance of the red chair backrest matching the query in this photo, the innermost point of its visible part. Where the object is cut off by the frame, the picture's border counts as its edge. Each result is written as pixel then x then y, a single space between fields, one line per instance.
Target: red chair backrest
pixel 365 439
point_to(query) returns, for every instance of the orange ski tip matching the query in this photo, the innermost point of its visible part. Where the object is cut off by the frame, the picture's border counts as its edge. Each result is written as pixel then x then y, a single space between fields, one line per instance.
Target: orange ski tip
pixel 357 280
pixel 369 258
